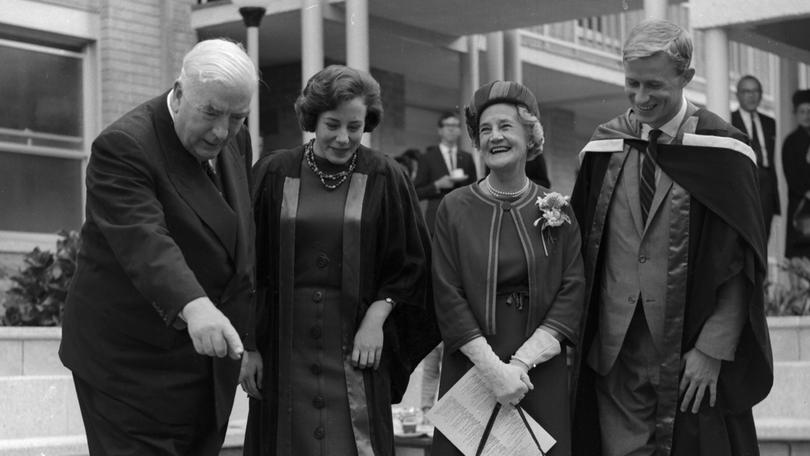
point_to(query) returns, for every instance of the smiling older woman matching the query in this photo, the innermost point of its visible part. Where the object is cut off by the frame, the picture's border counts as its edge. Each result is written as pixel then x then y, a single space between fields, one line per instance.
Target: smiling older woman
pixel 515 324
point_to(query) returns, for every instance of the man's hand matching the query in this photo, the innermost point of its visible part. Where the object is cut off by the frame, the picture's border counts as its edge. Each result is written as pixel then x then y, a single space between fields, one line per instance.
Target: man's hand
pixel 700 372
pixel 444 183
pixel 210 330
pixel 251 373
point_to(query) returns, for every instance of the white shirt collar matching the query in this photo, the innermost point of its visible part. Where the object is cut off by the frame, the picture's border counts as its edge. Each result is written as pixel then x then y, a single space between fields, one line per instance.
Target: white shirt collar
pixel 670 128
pixel 169 103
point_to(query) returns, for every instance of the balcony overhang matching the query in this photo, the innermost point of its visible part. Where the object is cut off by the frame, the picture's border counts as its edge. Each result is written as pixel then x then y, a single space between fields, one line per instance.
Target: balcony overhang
pixel 778 26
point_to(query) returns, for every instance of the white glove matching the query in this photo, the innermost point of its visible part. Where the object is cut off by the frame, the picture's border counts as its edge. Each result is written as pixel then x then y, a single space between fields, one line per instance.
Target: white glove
pixel 508 383
pixel 539 348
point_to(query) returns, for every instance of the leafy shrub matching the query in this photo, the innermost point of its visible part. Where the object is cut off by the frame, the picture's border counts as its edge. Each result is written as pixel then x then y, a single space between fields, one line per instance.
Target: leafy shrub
pixel 793 299
pixel 38 294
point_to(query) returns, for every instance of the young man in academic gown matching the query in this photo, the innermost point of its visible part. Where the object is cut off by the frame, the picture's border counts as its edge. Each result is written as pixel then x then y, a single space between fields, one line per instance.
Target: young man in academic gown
pixel 674 349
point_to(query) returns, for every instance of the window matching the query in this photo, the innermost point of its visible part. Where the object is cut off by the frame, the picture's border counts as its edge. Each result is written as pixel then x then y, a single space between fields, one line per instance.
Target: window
pixel 42 144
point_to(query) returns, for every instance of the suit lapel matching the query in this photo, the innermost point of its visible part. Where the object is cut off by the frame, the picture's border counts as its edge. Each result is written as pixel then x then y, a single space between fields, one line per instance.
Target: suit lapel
pixel 631 181
pixel 661 191
pixel 235 190
pixel 440 164
pixel 194 186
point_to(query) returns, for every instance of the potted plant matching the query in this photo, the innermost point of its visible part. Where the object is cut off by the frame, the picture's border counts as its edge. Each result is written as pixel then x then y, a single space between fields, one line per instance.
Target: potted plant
pixel 38 293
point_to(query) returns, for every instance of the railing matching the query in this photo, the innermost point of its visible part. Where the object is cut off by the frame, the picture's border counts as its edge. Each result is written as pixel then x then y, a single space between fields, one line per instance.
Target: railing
pixel 599 39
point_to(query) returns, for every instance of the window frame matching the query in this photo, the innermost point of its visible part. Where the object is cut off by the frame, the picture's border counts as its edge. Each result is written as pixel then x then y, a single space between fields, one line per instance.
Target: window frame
pixel 25 241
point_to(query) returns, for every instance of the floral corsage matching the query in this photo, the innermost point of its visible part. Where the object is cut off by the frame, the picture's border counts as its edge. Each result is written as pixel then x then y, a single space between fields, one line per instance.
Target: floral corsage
pixel 551 214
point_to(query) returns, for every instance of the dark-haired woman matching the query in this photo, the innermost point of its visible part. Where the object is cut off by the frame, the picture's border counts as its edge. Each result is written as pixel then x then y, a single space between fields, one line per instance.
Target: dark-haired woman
pixel 342 253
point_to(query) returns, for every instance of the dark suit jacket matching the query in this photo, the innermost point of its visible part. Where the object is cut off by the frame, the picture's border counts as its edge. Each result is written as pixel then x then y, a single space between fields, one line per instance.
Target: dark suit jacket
pixel 769 189
pixel 157 235
pixel 431 168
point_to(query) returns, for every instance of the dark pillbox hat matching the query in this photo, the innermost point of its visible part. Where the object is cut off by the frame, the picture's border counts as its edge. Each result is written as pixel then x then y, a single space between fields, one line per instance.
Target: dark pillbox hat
pixel 498 92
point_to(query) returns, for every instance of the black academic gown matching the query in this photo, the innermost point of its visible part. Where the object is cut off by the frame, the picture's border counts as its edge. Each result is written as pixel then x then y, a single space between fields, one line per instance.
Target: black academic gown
pixel 385 255
pixel 724 237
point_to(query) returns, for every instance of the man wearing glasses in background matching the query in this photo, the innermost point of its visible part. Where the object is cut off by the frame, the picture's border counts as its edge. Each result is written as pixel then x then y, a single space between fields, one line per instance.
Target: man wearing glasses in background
pixel 761 129
pixel 443 167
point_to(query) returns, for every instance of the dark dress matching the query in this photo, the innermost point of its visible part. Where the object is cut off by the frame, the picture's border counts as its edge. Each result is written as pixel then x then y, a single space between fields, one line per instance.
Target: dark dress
pixel 322 258
pixel 548 403
pixel 320 408
pixel 795 163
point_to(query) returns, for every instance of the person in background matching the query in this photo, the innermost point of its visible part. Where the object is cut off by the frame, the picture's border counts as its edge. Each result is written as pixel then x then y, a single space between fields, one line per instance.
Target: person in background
pixel 796 165
pixel 509 290
pixel 409 160
pixel 675 350
pixel 343 315
pixel 156 316
pixel 761 131
pixel 443 167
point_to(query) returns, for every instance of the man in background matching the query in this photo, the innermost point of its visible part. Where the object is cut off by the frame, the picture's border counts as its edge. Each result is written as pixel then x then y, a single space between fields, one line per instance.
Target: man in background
pixel 443 167
pixel 761 131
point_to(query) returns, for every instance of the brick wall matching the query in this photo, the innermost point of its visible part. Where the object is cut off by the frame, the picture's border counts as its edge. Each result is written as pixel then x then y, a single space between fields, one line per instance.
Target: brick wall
pixel 141 47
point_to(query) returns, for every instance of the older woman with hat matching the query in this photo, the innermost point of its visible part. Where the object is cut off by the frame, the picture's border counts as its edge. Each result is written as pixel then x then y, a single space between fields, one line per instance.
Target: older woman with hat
pixel 508 276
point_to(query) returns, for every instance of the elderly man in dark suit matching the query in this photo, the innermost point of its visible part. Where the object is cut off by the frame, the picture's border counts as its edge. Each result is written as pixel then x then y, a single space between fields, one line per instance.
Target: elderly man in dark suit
pixel 761 130
pixel 443 167
pixel 156 316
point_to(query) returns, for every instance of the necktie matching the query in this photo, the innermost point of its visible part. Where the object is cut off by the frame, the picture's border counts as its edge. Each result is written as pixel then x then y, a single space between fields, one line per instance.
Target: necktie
pixel 761 158
pixel 646 189
pixel 209 171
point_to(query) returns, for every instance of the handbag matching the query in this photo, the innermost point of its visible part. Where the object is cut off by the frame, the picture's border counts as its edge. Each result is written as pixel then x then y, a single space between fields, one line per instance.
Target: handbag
pixel 801 218
pixel 491 422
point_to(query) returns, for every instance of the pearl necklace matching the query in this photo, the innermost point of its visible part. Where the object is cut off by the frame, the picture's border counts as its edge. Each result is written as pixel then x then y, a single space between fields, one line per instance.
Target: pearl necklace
pixel 338 177
pixel 507 195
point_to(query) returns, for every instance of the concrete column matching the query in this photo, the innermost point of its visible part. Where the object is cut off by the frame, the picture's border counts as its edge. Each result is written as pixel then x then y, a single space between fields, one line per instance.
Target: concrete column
pixel 469 80
pixel 252 17
pixel 357 46
pixel 357 52
pixel 311 39
pixel 717 86
pixel 311 44
pixel 494 56
pixel 513 64
pixel 655 9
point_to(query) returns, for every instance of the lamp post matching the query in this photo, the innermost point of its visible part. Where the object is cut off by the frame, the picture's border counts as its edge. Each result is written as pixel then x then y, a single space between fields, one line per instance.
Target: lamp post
pixel 252 12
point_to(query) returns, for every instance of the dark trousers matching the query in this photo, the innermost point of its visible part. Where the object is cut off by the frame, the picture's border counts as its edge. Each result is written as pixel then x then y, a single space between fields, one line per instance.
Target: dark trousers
pixel 115 428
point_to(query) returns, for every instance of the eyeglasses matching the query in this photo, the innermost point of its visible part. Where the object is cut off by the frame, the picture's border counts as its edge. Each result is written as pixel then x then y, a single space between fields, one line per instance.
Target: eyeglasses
pixel 749 91
pixel 451 125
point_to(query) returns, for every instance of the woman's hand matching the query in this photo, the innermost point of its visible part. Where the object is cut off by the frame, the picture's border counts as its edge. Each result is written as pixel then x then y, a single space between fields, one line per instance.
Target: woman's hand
pixel 508 383
pixel 368 342
pixel 250 375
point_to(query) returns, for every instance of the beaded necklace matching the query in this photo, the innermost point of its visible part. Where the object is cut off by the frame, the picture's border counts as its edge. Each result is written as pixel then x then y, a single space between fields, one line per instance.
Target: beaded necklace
pixel 337 178
pixel 507 195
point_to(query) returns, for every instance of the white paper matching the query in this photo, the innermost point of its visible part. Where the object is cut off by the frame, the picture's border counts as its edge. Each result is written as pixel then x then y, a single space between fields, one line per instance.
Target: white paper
pixel 462 415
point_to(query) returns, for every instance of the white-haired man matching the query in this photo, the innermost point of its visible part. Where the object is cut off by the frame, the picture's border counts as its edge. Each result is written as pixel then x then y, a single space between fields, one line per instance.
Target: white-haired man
pixel 157 314
pixel 674 350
